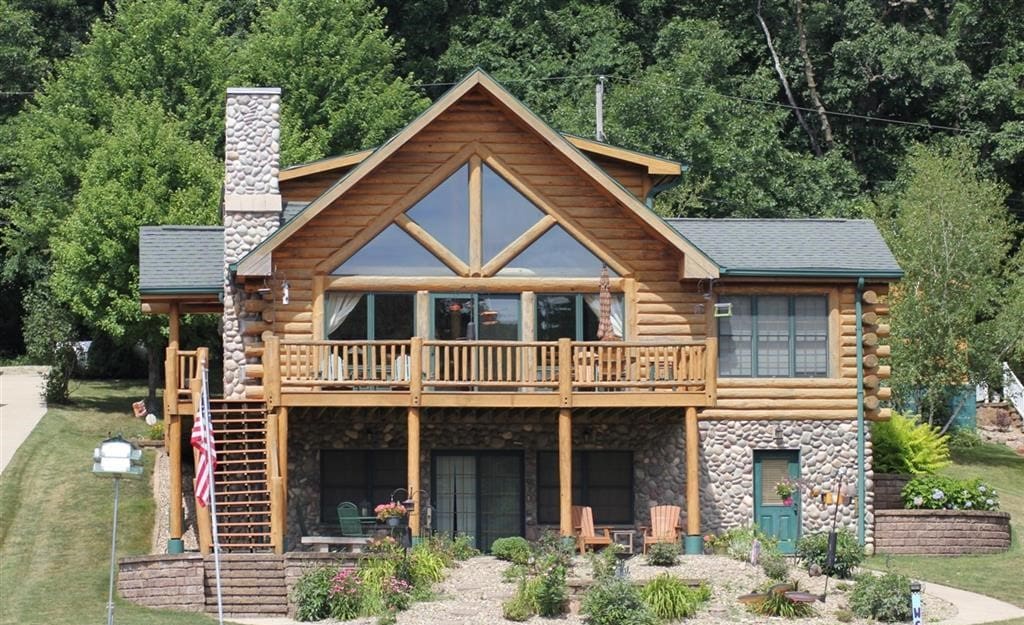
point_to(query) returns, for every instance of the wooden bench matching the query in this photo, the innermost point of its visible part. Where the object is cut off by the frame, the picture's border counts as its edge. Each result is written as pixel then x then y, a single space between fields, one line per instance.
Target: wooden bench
pixel 345 543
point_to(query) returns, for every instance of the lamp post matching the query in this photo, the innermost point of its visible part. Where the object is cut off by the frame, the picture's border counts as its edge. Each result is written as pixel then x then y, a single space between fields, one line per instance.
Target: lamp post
pixel 116 458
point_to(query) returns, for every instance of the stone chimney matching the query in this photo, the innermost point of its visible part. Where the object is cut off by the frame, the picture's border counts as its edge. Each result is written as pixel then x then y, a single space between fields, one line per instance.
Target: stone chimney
pixel 252 208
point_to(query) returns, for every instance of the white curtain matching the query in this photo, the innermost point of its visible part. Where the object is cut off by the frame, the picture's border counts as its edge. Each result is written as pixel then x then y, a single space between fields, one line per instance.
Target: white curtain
pixel 338 305
pixel 593 301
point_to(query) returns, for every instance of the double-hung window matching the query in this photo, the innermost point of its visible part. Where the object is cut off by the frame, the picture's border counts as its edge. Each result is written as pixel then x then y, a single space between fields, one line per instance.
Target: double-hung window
pixel 774 336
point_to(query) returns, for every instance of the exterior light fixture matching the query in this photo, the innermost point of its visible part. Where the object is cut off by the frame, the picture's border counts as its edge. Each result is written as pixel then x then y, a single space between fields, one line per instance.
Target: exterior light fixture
pixel 779 441
pixel 116 458
pixel 723 309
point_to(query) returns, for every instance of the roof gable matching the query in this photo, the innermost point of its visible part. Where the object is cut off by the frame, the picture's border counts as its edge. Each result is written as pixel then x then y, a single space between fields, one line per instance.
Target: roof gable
pixel 696 263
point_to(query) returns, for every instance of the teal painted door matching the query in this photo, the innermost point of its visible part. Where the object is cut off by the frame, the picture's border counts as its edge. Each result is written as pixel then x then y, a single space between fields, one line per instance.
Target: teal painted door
pixel 771 514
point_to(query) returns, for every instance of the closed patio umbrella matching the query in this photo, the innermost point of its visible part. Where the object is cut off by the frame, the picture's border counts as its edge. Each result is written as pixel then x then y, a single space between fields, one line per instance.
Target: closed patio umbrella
pixel 604 318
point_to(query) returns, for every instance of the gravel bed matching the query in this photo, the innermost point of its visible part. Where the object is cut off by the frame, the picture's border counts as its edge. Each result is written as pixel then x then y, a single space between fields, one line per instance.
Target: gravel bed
pixel 473 593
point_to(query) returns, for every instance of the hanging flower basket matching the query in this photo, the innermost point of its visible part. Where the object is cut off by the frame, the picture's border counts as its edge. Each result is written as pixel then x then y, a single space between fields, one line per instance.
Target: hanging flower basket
pixel 393 521
pixel 387 511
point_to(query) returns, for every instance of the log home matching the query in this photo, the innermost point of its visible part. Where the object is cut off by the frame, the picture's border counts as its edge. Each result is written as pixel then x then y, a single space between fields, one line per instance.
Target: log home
pixel 423 318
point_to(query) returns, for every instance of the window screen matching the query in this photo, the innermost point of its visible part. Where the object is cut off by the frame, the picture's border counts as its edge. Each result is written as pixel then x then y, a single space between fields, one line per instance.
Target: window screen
pixel 774 336
pixel 602 480
pixel 358 476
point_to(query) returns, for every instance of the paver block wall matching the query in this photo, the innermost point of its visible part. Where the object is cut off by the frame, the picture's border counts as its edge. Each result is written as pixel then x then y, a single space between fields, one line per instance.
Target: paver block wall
pixel 888 487
pixel 941 532
pixel 163 581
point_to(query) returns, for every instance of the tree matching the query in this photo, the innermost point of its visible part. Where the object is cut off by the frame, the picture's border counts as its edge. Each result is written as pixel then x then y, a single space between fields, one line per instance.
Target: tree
pixel 334 62
pixel 951 233
pixel 143 172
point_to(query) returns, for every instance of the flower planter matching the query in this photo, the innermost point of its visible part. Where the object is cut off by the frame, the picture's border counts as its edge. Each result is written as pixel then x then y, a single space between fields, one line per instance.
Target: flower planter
pixel 393 521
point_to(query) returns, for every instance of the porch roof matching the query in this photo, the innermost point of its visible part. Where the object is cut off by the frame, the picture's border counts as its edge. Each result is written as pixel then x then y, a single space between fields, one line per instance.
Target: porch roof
pixel 831 248
pixel 181 260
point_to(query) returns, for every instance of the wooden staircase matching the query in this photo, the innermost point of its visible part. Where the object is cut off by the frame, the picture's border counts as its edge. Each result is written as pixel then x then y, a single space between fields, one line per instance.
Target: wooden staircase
pixel 242 484
pixel 251 585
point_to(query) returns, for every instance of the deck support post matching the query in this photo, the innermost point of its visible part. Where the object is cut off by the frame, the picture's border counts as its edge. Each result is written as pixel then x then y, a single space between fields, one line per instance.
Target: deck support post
pixel 172 433
pixel 412 463
pixel 693 541
pixel 565 471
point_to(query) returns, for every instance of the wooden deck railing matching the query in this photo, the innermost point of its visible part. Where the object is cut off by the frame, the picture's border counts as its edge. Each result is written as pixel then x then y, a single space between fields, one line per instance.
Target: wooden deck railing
pixel 431 366
pixel 180 368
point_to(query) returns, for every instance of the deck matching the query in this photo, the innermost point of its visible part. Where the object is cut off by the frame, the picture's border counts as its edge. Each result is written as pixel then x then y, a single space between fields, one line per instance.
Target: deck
pixel 430 373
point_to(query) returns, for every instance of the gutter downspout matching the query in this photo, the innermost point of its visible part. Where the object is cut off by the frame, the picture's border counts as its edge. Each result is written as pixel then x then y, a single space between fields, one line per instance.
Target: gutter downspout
pixel 861 476
pixel 664 186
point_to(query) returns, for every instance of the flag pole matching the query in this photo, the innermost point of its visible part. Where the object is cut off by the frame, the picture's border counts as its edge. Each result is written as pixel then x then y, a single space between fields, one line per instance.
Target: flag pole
pixel 208 443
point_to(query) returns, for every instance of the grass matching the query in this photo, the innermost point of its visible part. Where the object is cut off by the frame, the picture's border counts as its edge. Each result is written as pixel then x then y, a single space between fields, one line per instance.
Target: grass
pixel 55 516
pixel 993 575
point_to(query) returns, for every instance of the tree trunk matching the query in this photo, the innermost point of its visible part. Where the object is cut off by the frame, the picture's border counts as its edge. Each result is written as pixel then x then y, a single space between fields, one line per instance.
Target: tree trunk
pixel 785 82
pixel 812 84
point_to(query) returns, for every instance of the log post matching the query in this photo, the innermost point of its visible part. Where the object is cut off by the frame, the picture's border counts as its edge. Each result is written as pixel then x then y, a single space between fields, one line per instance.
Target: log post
pixel 274 475
pixel 711 370
pixel 693 539
pixel 204 528
pixel 413 467
pixel 565 372
pixel 565 471
pixel 272 371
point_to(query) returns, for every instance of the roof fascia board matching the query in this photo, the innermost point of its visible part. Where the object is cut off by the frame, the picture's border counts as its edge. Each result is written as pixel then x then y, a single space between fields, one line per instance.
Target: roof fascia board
pixel 326 164
pixel 184 291
pixel 245 265
pixel 813 273
pixel 656 166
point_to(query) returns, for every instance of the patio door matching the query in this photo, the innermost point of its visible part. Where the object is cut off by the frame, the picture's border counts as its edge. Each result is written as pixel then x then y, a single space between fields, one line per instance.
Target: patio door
pixel 479 494
pixel 771 513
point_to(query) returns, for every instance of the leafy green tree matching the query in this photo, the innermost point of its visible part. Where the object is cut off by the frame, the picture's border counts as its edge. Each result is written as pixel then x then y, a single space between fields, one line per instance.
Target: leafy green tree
pixel 143 172
pixel 951 232
pixel 49 340
pixel 335 64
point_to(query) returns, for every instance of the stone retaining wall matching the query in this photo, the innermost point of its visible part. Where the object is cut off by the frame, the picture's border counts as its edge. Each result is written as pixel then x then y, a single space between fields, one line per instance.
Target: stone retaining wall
pixel 941 532
pixel 888 487
pixel 163 581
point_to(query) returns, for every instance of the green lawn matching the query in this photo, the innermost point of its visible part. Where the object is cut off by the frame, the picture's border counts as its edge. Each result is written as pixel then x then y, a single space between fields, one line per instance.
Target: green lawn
pixel 994 575
pixel 55 517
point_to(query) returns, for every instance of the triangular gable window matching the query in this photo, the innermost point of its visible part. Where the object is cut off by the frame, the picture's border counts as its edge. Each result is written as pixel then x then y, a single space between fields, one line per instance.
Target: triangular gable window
pixel 555 253
pixel 392 253
pixel 512 236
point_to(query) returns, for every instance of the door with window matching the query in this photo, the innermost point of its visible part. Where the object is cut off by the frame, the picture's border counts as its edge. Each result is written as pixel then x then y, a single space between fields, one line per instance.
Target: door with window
pixel 771 512
pixel 479 494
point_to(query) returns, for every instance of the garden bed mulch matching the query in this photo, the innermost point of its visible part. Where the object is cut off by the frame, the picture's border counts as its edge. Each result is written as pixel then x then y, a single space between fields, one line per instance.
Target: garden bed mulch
pixel 473 593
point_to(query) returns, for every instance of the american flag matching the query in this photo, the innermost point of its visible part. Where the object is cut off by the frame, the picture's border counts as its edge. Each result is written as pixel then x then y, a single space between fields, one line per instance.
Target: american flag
pixel 202 441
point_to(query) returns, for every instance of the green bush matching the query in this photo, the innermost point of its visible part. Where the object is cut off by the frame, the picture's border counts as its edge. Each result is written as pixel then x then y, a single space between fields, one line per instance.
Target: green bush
pixel 604 563
pixel 426 566
pixel 513 549
pixel 904 444
pixel 776 604
pixel 663 554
pixel 346 599
pixel 49 331
pixel 962 438
pixel 739 541
pixel 884 598
pixel 938 492
pixel 616 602
pixel 463 549
pixel 844 616
pixel 553 547
pixel 312 594
pixel 670 599
pixel 813 549
pixel 775 567
pixel 551 593
pixel 519 608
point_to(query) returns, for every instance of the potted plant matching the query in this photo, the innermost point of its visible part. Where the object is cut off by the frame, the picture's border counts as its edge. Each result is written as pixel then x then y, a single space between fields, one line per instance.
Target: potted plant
pixel 785 489
pixel 390 513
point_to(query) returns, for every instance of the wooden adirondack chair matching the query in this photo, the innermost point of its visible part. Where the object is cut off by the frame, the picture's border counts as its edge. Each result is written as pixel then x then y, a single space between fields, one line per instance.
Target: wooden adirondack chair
pixel 664 526
pixel 348 519
pixel 586 534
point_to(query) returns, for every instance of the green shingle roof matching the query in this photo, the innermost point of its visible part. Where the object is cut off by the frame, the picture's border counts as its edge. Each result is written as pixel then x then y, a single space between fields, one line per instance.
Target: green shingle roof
pixel 792 247
pixel 181 259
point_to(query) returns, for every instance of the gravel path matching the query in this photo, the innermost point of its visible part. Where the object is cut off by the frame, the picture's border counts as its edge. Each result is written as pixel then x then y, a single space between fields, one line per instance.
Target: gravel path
pixel 473 593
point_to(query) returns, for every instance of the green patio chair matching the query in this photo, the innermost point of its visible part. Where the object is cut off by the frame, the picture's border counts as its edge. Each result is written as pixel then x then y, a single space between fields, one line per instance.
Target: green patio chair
pixel 348 519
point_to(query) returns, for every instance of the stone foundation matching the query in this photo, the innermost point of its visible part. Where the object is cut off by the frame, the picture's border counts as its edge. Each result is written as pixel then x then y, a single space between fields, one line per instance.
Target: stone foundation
pixel 655 436
pixel 941 532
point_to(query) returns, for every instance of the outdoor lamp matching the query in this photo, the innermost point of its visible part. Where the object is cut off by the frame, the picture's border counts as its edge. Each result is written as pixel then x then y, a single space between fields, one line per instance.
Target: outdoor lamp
pixel 116 458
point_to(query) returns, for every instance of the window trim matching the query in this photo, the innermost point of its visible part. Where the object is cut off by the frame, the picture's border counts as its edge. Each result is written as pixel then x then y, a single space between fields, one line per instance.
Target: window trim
pixel 831 368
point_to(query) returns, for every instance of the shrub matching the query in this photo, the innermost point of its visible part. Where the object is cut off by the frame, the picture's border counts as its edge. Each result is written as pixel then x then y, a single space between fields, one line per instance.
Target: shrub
pixel 776 604
pixel 903 444
pixel 518 608
pixel 462 547
pixel 775 567
pixel 739 541
pixel 938 492
pixel 962 438
pixel 514 572
pixel 604 563
pixel 884 598
pixel 616 602
pixel 346 597
pixel 426 566
pixel 663 554
pixel 49 340
pixel 156 431
pixel 311 594
pixel 813 549
pixel 552 546
pixel 670 599
pixel 550 593
pixel 513 549
pixel 844 616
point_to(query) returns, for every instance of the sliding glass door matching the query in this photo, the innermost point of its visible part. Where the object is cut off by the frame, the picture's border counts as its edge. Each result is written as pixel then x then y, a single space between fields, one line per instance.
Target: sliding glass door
pixel 479 494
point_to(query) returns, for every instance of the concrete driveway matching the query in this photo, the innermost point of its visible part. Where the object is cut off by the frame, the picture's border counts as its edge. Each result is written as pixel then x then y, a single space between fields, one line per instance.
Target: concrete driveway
pixel 21 407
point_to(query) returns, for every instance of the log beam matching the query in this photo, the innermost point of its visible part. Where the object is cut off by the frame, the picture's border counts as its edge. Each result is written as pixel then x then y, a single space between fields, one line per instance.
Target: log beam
pixel 692 473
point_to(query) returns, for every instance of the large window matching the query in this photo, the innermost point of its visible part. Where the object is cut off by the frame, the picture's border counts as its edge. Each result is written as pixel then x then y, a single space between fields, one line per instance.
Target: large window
pixel 575 316
pixel 369 316
pixel 602 480
pixel 774 336
pixel 359 476
pixel 484 317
